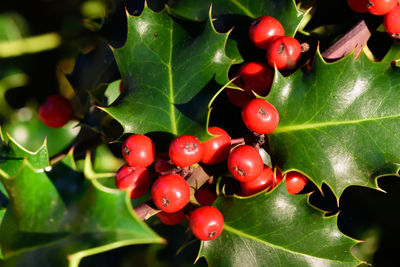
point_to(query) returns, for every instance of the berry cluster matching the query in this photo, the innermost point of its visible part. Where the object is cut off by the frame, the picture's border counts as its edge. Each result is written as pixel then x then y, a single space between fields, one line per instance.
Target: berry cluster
pixel 389 8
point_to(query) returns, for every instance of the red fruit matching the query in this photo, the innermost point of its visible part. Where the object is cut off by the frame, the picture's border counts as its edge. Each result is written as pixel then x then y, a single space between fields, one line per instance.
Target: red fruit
pixel 263 181
pixel 245 163
pixel 163 164
pixel 263 29
pixel 278 177
pixel 138 150
pixel 206 223
pixel 284 52
pixel 391 22
pixel 359 6
pixel 171 218
pixel 56 111
pixel 121 86
pixel 260 116
pixel 205 197
pixel 170 193
pixel 134 179
pixel 295 182
pixel 380 7
pixel 252 76
pixel 217 148
pixel 185 150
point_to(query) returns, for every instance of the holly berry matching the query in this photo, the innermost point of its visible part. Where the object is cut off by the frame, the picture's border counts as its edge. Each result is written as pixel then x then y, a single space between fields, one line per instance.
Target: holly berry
pixel 138 150
pixel 263 29
pixel 205 197
pixel 260 116
pixel 245 163
pixel 135 179
pixel 391 22
pixel 263 181
pixel 380 7
pixel 206 223
pixel 284 52
pixel 185 150
pixel 170 193
pixel 217 148
pixel 121 86
pixel 56 111
pixel 163 164
pixel 359 6
pixel 295 182
pixel 252 76
pixel 171 218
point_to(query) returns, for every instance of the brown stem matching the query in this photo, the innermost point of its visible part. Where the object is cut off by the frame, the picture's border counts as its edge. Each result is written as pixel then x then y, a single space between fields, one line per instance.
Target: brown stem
pixel 237 141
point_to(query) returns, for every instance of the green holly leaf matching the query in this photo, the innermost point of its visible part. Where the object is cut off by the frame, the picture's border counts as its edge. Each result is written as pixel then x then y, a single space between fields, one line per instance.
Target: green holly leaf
pixel 339 122
pixel 169 77
pixel 276 229
pixel 283 10
pixel 394 52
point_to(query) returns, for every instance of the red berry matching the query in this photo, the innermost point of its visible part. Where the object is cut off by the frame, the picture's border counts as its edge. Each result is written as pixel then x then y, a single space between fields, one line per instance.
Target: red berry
pixel 206 223
pixel 135 179
pixel 252 76
pixel 284 52
pixel 56 111
pixel 380 7
pixel 185 150
pixel 263 181
pixel 217 148
pixel 263 29
pixel 170 193
pixel 121 86
pixel 391 22
pixel 260 116
pixel 138 150
pixel 278 177
pixel 245 163
pixel 295 182
pixel 163 164
pixel 205 197
pixel 359 6
pixel 171 218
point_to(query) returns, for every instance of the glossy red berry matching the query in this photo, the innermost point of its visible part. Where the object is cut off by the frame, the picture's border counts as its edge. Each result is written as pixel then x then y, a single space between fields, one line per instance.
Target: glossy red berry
pixel 263 181
pixel 295 182
pixel 252 77
pixel 206 223
pixel 260 116
pixel 284 52
pixel 359 6
pixel 185 150
pixel 170 193
pixel 245 163
pixel 263 29
pixel 391 22
pixel 163 164
pixel 56 111
pixel 217 148
pixel 380 7
pixel 138 150
pixel 171 218
pixel 205 197
pixel 134 179
pixel 278 177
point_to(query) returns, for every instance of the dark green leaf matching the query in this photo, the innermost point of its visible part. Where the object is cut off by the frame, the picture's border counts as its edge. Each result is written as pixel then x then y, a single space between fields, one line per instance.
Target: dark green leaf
pixel 394 52
pixel 339 122
pixel 276 229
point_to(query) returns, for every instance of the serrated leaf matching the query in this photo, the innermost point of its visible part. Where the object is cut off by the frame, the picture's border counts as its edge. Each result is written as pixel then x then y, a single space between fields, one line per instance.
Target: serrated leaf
pixel 276 229
pixel 168 75
pixel 394 52
pixel 283 10
pixel 339 122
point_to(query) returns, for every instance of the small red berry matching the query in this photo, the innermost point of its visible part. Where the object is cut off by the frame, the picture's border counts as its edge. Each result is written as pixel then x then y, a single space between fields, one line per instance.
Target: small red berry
pixel 163 164
pixel 135 179
pixel 391 22
pixel 252 77
pixel 56 111
pixel 206 223
pixel 359 6
pixel 263 29
pixel 170 193
pixel 217 148
pixel 263 181
pixel 295 182
pixel 121 86
pixel 260 116
pixel 380 7
pixel 245 163
pixel 138 150
pixel 278 177
pixel 205 197
pixel 284 52
pixel 185 150
pixel 171 218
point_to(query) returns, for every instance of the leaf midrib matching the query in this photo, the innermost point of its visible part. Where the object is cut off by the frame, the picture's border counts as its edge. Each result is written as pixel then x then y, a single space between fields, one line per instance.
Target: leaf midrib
pixel 171 85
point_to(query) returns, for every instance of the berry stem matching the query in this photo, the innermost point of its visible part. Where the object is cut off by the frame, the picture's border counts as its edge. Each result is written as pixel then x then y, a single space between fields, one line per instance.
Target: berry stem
pixel 237 141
